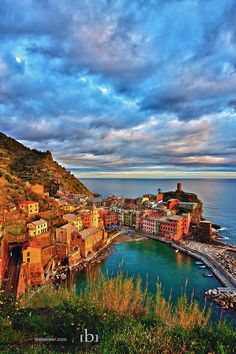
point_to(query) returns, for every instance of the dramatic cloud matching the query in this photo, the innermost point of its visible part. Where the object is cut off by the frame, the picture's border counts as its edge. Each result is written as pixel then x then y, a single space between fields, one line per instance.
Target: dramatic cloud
pixel 117 86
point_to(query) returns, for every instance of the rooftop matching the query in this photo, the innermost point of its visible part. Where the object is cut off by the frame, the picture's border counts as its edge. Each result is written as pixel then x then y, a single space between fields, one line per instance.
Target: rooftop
pixel 88 232
pixel 70 216
pixel 67 226
pixel 32 244
pixel 38 222
pixel 29 202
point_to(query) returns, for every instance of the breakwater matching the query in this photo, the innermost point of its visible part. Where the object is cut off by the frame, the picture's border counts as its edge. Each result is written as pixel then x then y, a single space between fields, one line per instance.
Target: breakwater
pixel 225 278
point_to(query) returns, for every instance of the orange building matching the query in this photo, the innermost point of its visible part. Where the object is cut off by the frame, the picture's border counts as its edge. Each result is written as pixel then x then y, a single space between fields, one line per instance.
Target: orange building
pixel 94 216
pixel 63 233
pixel 31 270
pixel 31 252
pixel 186 223
pixel 74 257
pixel 30 207
pixel 172 203
pixel 89 240
pixel 159 197
pixel 171 227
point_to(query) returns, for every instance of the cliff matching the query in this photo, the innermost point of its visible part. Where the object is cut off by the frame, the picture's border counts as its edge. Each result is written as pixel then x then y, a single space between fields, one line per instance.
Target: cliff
pixel 19 164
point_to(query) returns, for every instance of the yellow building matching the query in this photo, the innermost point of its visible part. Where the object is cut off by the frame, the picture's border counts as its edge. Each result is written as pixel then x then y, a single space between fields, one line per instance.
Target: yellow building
pixel 94 216
pixel 37 227
pixel 76 220
pixel 63 233
pixel 30 207
pixel 31 252
pixel 90 240
pixel 69 208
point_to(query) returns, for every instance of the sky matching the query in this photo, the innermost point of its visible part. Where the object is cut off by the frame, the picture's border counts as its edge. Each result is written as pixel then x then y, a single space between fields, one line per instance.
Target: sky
pixel 117 88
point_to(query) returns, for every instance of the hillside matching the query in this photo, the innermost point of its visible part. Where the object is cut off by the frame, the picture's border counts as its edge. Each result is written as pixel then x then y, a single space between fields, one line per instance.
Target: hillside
pixel 19 163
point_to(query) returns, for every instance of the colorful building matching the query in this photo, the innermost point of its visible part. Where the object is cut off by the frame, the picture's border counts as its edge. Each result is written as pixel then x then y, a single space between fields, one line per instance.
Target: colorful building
pixel 63 233
pixel 37 227
pixel 85 216
pixel 31 252
pixel 74 219
pixel 31 269
pixel 94 216
pixel 30 207
pixel 120 216
pixel 186 223
pixel 90 240
pixel 171 227
pixel 74 257
pixel 108 217
pixel 70 208
pixel 128 218
pixel 150 225
pixel 172 203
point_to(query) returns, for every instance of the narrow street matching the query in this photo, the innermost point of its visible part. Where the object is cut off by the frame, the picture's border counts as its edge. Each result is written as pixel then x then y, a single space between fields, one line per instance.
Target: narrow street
pixel 13 270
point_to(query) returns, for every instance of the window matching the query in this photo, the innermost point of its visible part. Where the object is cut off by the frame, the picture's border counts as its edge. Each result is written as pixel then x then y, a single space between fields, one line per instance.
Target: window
pixel 28 254
pixel 28 260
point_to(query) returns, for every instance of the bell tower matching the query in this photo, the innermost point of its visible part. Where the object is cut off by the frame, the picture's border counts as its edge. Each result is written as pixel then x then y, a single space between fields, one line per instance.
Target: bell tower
pixel 94 216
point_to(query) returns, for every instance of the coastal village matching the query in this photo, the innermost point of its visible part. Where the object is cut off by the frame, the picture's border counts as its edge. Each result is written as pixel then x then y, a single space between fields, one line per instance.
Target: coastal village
pixel 51 223
pixel 75 228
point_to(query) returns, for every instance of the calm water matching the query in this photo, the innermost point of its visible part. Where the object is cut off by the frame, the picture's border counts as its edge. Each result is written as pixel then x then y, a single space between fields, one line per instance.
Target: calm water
pixel 153 260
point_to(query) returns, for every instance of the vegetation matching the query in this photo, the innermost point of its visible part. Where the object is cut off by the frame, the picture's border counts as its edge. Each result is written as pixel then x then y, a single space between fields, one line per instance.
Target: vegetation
pixel 123 315
pixel 16 229
pixel 17 162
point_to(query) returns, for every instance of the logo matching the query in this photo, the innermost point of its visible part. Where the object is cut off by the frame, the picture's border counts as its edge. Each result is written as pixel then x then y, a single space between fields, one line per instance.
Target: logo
pixel 88 337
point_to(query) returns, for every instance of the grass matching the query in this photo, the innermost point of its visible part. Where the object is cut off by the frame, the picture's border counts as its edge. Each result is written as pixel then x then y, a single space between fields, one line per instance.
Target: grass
pixel 123 315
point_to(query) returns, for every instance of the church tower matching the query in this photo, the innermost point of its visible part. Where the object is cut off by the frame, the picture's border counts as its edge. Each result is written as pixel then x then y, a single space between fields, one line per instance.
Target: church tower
pixel 94 216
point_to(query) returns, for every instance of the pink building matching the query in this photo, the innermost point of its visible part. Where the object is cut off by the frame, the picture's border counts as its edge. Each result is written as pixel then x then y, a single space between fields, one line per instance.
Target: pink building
pixel 150 225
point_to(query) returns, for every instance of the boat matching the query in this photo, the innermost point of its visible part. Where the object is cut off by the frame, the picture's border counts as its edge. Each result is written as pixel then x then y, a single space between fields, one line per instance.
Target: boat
pixel 208 275
pixel 202 266
pixel 198 263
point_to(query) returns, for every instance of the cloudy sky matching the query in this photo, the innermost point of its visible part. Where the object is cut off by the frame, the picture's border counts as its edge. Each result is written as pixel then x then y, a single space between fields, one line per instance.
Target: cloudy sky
pixel 122 88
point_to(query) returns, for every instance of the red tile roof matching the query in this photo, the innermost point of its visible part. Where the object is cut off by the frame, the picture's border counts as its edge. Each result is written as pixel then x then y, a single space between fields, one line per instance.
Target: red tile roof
pixel 33 244
pixel 28 202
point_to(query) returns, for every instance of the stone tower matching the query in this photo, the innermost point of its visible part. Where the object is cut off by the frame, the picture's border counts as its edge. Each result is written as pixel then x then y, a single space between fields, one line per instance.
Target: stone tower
pixel 94 216
pixel 179 187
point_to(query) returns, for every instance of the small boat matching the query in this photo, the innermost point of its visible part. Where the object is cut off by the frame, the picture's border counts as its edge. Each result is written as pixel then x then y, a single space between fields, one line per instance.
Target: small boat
pixel 208 275
pixel 202 266
pixel 198 263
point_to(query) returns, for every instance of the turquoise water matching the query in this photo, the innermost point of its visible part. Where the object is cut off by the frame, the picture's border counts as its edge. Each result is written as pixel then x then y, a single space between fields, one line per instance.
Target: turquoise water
pixel 152 260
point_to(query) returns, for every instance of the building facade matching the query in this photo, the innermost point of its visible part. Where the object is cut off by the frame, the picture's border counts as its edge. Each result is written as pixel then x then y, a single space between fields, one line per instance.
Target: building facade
pixel 37 227
pixel 30 207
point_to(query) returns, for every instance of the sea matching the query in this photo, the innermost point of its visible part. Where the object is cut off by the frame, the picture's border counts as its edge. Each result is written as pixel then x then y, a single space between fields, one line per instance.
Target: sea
pixel 156 262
